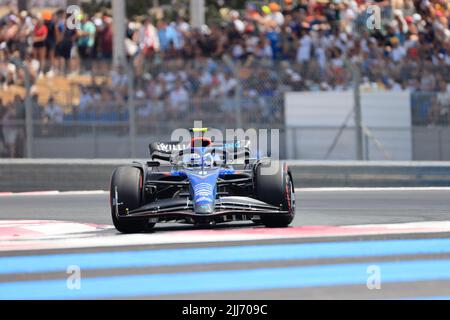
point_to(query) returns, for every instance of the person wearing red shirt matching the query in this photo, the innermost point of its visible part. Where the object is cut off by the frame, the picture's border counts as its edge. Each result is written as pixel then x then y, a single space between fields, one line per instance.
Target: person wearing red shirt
pixel 39 43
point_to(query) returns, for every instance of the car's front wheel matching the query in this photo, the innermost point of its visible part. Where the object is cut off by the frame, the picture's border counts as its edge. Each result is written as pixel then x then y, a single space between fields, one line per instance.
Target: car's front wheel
pixel 277 189
pixel 126 195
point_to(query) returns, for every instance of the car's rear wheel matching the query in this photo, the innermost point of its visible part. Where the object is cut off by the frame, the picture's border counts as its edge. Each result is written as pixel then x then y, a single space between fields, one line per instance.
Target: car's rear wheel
pixel 126 195
pixel 278 190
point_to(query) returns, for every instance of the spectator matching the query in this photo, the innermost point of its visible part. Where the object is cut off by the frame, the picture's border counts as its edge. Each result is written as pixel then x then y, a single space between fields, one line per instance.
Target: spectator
pixel 86 99
pixel 25 30
pixel 60 24
pixel 10 130
pixel 174 35
pixel 228 85
pixel 39 43
pixel 19 105
pixel 119 79
pixel 178 101
pixel 148 38
pixel 304 50
pixel 53 112
pixel 64 48
pixel 276 15
pixel 11 32
pixel 50 21
pixel 86 38
pixel 106 41
pixel 36 107
pixel 443 96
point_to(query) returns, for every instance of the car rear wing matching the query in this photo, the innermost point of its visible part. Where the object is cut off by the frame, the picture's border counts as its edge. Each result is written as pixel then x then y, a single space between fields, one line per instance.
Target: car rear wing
pixel 166 150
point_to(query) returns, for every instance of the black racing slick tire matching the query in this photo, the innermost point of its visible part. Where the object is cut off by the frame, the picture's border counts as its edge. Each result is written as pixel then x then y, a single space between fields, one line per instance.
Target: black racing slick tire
pixel 278 190
pixel 126 192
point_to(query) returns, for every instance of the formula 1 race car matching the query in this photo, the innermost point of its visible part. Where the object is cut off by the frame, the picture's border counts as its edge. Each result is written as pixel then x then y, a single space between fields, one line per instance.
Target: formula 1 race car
pixel 201 183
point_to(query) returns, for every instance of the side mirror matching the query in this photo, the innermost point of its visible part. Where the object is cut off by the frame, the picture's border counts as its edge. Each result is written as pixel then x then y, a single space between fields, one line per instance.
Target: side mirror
pixel 153 163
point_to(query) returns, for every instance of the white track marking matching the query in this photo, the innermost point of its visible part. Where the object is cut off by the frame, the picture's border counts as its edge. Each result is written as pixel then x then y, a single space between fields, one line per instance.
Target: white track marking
pixel 84 192
pixel 61 228
pixel 429 225
pixel 54 193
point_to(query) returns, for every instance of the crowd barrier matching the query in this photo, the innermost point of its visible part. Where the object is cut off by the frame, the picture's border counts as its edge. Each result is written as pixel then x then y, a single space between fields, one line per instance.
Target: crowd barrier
pixel 21 175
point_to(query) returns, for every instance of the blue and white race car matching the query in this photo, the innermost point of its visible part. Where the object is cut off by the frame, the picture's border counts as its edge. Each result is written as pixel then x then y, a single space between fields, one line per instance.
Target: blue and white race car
pixel 201 183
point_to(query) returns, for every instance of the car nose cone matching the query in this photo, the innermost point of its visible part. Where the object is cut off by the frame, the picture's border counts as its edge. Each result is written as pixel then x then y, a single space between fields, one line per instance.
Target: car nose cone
pixel 206 208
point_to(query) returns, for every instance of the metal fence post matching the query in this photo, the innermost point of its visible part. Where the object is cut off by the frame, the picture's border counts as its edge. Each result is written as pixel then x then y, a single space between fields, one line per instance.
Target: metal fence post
pixel 238 104
pixel 28 115
pixel 95 134
pixel 131 110
pixel 238 91
pixel 296 139
pixel 119 28
pixel 366 147
pixel 28 108
pixel 357 110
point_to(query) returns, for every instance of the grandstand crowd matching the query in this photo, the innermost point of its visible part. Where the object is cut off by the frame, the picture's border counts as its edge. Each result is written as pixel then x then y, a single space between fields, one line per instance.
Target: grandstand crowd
pixel 256 53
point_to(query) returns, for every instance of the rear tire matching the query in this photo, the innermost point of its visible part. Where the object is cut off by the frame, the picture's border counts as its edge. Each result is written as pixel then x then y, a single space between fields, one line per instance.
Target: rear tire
pixel 128 181
pixel 278 190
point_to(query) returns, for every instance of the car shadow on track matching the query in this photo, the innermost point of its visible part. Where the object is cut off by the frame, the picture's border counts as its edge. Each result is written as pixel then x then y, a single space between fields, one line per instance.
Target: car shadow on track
pixel 185 227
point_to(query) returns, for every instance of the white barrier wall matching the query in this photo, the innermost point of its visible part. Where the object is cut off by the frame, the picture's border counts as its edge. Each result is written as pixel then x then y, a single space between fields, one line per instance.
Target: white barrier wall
pixel 315 119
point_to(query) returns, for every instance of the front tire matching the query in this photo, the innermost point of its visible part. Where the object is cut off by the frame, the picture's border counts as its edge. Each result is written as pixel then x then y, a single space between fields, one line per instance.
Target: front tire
pixel 278 190
pixel 126 190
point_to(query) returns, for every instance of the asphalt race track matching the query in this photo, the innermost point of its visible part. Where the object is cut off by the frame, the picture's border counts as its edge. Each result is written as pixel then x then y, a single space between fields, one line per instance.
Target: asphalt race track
pixel 344 243
pixel 335 207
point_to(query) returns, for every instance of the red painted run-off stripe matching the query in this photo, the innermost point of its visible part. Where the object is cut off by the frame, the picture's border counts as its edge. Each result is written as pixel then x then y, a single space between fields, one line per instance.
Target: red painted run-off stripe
pixel 16 232
pixel 58 234
pixel 28 229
